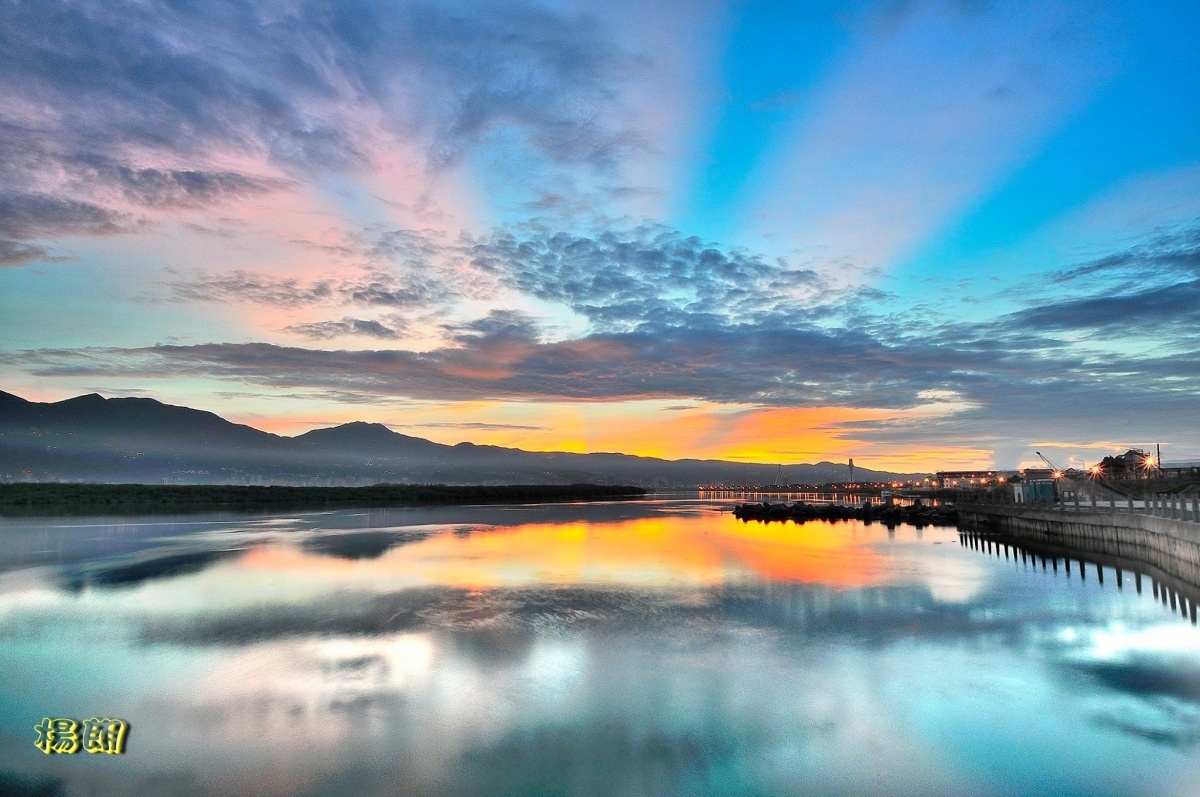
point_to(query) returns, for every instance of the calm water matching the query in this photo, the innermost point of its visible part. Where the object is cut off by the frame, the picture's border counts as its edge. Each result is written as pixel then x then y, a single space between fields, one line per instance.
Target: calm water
pixel 630 649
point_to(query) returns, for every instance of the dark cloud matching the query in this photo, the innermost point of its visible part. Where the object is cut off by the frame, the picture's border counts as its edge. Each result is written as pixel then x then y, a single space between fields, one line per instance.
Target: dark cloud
pixel 498 324
pixel 512 66
pixel 1173 255
pixel 412 248
pixel 474 425
pixel 617 279
pixel 25 215
pixel 385 290
pixel 620 279
pixel 674 318
pixel 324 330
pixel 984 380
pixel 15 253
pixel 99 96
pixel 158 188
pixel 376 290
pixel 394 269
pixel 240 286
pixel 743 364
pixel 1156 311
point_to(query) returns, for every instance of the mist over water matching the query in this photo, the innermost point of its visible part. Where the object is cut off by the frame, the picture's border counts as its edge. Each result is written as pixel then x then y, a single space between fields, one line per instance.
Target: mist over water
pixel 655 647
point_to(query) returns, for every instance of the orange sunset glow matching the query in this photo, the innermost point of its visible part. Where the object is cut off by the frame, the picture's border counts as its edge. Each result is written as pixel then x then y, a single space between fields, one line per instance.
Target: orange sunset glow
pixel 687 551
pixel 460 398
pixel 694 431
pixel 560 244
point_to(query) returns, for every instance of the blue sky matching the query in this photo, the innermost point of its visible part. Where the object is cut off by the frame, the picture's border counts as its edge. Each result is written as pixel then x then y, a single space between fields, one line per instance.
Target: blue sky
pixel 920 234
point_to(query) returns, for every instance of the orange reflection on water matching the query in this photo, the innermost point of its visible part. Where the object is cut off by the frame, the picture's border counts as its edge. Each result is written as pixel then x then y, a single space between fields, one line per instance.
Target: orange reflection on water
pixel 672 550
pixel 815 553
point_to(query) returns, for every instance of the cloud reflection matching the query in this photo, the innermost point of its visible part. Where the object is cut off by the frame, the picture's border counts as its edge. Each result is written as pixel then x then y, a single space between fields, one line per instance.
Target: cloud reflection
pixel 662 649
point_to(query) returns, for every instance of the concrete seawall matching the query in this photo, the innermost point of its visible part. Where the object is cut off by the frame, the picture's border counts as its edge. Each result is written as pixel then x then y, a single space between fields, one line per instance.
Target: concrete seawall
pixel 1169 545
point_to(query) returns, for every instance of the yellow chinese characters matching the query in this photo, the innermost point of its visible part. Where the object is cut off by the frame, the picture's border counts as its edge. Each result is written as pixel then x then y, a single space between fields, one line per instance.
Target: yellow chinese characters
pixel 57 736
pixel 62 735
pixel 105 736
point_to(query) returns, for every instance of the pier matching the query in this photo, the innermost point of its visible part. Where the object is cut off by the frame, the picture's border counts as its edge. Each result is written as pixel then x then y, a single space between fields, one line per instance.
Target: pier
pixel 890 514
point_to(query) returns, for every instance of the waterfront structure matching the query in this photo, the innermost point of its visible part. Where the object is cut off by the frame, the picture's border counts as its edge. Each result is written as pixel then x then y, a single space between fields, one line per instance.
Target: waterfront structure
pixel 1134 463
pixel 1035 491
pixel 962 478
pixel 1180 470
pixel 1163 532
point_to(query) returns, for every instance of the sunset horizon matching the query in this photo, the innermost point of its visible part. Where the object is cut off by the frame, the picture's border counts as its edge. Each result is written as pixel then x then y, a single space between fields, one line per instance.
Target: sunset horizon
pixel 928 236
pixel 673 398
pixel 924 461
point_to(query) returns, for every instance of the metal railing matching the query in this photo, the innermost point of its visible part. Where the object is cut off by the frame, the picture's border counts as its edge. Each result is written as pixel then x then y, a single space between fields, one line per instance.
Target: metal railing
pixel 1164 505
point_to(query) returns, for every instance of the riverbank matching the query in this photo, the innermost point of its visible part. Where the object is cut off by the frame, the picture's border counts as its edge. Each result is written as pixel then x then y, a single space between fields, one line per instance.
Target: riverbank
pixel 47 500
pixel 1169 544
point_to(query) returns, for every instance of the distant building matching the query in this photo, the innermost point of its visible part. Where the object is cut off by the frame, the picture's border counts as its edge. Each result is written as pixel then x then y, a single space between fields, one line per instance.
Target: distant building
pixel 1035 491
pixel 970 478
pixel 1180 470
pixel 1134 463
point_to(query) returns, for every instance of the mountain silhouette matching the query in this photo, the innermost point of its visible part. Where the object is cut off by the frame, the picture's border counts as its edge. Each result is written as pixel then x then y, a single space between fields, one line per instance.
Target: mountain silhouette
pixel 91 438
pixel 366 439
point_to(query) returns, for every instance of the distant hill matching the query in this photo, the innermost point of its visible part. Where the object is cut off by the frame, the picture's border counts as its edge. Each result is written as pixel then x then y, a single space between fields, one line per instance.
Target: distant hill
pixel 91 438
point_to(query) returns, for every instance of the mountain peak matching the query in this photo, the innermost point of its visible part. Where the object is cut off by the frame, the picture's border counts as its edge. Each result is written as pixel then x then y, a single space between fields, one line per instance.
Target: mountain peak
pixel 142 439
pixel 11 400
pixel 86 400
pixel 351 429
pixel 362 436
pixel 364 425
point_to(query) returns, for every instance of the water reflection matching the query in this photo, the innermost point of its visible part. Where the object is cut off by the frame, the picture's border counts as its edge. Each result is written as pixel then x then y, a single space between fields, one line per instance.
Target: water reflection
pixel 133 570
pixel 361 544
pixel 1171 586
pixel 653 648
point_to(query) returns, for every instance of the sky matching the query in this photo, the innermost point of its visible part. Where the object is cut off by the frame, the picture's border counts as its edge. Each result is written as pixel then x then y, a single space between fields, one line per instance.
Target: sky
pixel 925 235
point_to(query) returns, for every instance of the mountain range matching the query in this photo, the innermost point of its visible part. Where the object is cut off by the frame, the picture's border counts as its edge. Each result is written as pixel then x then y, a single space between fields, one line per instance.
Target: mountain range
pixel 116 440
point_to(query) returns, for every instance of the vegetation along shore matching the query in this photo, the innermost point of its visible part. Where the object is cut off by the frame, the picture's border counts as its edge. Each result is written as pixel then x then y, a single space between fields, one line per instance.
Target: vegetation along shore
pixel 26 499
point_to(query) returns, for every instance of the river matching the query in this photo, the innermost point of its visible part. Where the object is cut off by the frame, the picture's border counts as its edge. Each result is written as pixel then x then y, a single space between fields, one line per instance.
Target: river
pixel 654 647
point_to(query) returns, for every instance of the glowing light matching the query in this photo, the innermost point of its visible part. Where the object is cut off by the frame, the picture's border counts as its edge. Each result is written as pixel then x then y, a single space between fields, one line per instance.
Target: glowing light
pixel 642 551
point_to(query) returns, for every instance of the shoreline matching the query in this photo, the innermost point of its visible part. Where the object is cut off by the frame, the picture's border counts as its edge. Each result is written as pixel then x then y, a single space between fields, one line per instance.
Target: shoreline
pixel 24 499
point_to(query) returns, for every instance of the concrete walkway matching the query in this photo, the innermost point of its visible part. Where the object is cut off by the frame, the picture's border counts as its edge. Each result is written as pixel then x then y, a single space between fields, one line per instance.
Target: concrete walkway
pixel 1171 544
